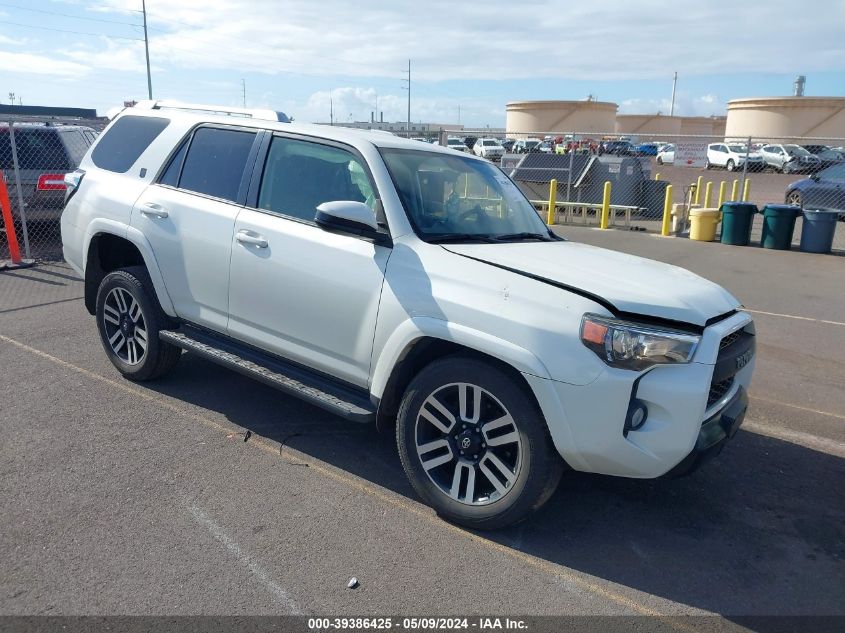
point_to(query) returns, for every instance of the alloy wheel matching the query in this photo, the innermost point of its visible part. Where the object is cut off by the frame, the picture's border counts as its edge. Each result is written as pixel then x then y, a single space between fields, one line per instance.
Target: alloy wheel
pixel 468 444
pixel 125 327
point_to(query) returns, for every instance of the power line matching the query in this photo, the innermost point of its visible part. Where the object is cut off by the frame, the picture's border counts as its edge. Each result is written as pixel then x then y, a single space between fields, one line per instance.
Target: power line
pixel 65 15
pixel 46 28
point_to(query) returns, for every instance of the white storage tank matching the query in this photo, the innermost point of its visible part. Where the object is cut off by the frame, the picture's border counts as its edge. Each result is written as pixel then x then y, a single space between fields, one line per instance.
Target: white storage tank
pixel 534 118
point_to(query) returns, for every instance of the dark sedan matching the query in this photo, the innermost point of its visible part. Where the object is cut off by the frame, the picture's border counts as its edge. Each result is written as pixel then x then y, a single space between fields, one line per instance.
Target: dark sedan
pixel 825 154
pixel 824 190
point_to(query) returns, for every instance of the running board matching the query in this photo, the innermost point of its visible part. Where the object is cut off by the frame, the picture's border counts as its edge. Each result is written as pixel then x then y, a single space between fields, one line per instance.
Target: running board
pixel 315 389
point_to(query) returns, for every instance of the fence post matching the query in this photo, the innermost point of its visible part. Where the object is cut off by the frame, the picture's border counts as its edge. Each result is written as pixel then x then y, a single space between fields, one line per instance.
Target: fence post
pixel 569 175
pixel 745 164
pixel 746 190
pixel 605 205
pixel 698 189
pixel 735 191
pixel 550 217
pixel 667 212
pixel 21 209
pixel 721 193
pixel 708 191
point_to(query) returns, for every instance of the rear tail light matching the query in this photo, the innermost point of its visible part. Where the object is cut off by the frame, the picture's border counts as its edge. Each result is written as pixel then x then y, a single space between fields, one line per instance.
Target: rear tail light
pixel 51 182
pixel 71 183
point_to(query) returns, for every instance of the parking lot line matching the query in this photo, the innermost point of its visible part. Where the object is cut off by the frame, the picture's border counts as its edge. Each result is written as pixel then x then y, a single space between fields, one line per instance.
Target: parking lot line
pixel 800 408
pixel 792 316
pixel 807 440
pixel 364 487
pixel 248 561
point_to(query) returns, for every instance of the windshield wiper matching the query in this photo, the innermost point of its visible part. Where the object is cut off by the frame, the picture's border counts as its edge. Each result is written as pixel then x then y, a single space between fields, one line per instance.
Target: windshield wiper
pixel 439 238
pixel 511 237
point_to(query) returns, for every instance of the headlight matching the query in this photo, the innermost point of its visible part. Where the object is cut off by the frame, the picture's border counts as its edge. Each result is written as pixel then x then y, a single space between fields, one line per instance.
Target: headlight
pixel 633 346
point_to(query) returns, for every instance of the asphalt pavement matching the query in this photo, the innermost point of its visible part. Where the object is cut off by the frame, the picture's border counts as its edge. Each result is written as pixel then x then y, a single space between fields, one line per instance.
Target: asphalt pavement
pixel 118 498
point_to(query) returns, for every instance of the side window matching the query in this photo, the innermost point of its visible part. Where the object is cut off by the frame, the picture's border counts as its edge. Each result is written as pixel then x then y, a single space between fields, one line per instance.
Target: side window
pixel 76 145
pixel 215 162
pixel 300 175
pixel 174 167
pixel 125 141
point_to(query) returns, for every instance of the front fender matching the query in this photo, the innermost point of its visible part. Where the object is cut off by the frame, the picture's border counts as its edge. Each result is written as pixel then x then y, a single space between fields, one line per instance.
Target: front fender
pixel 133 235
pixel 418 327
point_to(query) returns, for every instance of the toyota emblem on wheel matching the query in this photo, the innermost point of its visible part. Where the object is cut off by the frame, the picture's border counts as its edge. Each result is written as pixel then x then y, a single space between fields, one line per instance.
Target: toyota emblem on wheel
pixel 465 443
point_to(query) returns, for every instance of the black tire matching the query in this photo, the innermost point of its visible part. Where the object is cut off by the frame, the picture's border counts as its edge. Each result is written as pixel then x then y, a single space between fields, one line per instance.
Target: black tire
pixel 158 357
pixel 540 466
pixel 659 160
pixel 707 164
pixel 730 165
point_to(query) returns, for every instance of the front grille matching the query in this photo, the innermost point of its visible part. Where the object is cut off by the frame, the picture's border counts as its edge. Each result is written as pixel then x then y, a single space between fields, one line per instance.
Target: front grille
pixel 718 391
pixel 729 339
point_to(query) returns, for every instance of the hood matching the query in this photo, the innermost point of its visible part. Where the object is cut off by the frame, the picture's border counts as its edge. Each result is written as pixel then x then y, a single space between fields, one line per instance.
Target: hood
pixel 630 284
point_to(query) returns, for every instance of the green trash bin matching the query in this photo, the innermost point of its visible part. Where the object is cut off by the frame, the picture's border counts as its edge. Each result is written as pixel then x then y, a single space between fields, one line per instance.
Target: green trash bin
pixel 818 229
pixel 778 226
pixel 737 218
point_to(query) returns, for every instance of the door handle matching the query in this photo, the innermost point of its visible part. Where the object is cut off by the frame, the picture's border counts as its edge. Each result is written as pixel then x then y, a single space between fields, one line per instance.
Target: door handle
pixel 245 237
pixel 154 210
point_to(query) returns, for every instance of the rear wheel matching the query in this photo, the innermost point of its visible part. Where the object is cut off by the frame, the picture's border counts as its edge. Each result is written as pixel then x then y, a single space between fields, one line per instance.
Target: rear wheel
pixel 659 160
pixel 794 197
pixel 129 319
pixel 475 445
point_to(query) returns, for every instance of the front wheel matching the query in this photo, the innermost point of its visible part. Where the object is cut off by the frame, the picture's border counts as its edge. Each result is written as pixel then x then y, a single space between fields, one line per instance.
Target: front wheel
pixel 474 444
pixel 129 319
pixel 794 198
pixel 730 165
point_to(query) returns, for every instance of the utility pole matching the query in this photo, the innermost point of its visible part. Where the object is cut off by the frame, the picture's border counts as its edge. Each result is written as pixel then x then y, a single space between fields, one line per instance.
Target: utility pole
pixel 674 85
pixel 459 115
pixel 408 129
pixel 243 90
pixel 12 98
pixel 331 108
pixel 147 50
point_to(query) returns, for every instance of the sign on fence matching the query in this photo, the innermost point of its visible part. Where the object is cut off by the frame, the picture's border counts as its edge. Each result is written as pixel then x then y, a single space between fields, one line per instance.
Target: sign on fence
pixel 692 154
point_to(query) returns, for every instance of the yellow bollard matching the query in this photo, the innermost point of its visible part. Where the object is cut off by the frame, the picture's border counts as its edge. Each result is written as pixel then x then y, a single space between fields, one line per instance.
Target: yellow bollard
pixel 697 189
pixel 657 176
pixel 550 218
pixel 735 191
pixel 708 191
pixel 721 194
pixel 605 205
pixel 667 212
pixel 746 190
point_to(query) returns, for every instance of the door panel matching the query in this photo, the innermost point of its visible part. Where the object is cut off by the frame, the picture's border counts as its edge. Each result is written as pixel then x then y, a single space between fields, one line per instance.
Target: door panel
pixel 192 242
pixel 309 295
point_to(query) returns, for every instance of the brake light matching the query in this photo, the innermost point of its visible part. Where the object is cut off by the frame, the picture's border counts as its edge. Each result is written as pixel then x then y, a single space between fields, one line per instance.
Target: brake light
pixel 51 182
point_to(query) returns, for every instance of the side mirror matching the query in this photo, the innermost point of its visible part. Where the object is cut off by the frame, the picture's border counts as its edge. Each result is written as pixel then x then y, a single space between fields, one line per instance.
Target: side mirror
pixel 346 216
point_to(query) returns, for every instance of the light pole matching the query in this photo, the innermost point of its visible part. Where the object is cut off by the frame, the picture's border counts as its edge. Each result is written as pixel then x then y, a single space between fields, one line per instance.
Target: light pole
pixel 147 50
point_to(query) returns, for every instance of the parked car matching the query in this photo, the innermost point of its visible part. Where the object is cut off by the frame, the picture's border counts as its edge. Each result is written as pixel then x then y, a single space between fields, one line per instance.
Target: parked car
pixel 731 156
pixel 525 146
pixel 350 269
pixel 507 144
pixel 666 155
pixel 488 148
pixel 469 141
pixel 456 144
pixel 825 189
pixel 545 147
pixel 45 154
pixel 647 149
pixel 827 155
pixel 789 158
pixel 618 148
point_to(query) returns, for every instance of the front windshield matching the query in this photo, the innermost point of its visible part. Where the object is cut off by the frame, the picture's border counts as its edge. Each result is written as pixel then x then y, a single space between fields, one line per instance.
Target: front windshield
pixel 461 198
pixel 489 142
pixel 737 149
pixel 532 143
pixel 454 141
pixel 796 150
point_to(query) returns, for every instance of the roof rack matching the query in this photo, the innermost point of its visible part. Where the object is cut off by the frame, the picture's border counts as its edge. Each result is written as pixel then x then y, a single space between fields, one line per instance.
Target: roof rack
pixel 249 113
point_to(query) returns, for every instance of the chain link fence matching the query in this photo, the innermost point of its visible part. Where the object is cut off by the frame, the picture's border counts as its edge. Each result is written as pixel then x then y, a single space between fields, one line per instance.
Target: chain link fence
pixel 35 154
pixel 807 172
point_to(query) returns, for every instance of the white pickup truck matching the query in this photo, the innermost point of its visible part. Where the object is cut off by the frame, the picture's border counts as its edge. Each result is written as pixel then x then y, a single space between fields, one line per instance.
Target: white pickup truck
pixel 388 281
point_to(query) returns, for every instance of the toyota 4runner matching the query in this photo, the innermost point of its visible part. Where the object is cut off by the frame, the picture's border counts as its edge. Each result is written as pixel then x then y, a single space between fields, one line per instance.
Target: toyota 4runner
pixel 387 281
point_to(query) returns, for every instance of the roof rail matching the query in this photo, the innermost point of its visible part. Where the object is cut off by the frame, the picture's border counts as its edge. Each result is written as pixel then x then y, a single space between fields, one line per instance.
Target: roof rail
pixel 250 113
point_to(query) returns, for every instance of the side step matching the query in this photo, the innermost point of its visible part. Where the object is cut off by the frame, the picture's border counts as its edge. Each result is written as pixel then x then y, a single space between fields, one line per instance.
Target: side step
pixel 345 401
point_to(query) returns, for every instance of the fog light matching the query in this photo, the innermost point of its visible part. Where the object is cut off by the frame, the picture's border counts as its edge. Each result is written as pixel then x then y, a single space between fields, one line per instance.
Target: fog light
pixel 637 415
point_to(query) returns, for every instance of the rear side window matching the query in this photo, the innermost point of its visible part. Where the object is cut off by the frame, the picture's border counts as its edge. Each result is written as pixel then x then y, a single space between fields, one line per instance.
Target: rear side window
pixel 215 162
pixel 125 141
pixel 76 145
pixel 171 174
pixel 37 148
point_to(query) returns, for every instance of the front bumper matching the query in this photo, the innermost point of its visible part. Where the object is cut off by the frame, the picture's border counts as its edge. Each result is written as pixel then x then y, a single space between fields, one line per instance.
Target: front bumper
pixel 587 422
pixel 714 434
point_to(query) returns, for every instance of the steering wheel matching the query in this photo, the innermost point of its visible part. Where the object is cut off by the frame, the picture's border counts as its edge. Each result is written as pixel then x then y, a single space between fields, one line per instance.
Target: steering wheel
pixel 476 211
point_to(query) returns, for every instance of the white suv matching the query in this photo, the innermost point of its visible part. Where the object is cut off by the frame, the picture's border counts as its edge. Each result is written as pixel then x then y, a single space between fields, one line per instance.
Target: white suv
pixel 731 156
pixel 488 148
pixel 385 280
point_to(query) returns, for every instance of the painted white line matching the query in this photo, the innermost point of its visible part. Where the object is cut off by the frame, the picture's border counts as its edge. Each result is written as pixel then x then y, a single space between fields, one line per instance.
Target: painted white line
pixel 792 316
pixel 248 561
pixel 798 407
pixel 807 440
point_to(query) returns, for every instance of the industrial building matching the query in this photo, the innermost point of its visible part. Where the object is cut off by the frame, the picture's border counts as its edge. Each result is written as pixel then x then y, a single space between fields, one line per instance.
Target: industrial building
pixel 786 117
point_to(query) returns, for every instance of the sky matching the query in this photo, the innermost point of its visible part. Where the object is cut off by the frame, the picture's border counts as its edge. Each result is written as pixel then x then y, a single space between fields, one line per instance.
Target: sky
pixel 468 59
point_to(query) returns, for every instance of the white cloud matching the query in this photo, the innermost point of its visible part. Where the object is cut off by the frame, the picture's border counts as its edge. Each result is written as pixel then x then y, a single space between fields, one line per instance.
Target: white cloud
pixel 496 39
pixel 685 105
pixel 29 63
